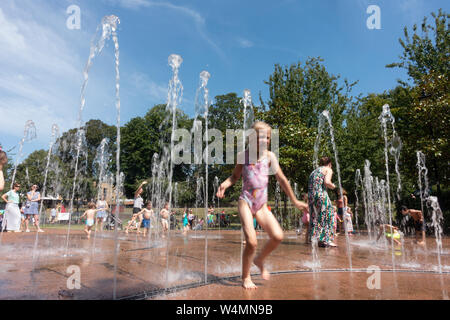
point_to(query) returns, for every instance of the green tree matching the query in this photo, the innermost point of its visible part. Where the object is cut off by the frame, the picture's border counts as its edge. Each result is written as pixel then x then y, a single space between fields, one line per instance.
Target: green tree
pixel 426 59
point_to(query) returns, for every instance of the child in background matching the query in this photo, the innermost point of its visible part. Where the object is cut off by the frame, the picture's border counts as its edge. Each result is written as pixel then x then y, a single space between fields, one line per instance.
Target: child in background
pixel 165 218
pixel 389 232
pixel 185 221
pixel 253 202
pixel 90 216
pixel 53 215
pixel 306 218
pixel 348 221
pixel 145 215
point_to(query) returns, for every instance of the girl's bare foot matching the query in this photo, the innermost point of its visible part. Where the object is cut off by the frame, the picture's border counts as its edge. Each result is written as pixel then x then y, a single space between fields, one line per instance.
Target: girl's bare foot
pixel 264 273
pixel 247 283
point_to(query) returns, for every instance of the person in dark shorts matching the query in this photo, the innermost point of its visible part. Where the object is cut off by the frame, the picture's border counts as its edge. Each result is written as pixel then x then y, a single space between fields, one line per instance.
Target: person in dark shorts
pixel 419 223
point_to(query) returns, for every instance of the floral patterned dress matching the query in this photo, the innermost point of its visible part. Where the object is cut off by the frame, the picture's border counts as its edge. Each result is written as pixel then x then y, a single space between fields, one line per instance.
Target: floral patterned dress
pixel 320 208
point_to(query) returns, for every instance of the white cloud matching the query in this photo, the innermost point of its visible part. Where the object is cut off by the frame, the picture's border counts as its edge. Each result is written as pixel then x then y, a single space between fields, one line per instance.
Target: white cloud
pixel 9 35
pixel 38 71
pixel 245 43
pixel 200 22
pixel 144 85
pixel 41 64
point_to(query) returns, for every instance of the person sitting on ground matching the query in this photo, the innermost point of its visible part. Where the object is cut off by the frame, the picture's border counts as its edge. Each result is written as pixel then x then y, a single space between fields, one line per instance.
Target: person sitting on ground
pixel 199 225
pixel 419 224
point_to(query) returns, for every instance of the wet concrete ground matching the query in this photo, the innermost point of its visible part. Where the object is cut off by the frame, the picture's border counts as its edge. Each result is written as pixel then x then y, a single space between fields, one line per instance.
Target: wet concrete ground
pixel 40 266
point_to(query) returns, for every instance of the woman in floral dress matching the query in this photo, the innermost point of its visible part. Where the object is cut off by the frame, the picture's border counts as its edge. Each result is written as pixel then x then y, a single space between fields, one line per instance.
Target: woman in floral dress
pixel 320 205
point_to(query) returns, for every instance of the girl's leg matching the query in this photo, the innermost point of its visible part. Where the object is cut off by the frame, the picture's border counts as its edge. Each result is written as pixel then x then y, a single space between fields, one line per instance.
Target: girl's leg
pixel 133 217
pixel 26 221
pixel 268 222
pixel 36 222
pixel 139 224
pixel 250 246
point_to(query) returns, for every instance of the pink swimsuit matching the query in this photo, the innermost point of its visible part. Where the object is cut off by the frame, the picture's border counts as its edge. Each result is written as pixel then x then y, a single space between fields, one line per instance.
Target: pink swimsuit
pixel 255 181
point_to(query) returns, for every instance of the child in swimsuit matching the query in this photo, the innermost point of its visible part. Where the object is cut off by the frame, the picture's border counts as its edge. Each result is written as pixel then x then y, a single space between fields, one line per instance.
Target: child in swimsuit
pixel 306 218
pixel 253 202
pixel 389 232
pixel 165 217
pixel 145 215
pixel 90 216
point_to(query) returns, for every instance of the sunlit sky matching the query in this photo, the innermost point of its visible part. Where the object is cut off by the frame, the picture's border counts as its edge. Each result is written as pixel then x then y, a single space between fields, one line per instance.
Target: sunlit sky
pixel 238 42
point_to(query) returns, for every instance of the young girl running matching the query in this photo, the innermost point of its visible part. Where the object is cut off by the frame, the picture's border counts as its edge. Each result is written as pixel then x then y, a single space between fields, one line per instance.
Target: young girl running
pixel 253 202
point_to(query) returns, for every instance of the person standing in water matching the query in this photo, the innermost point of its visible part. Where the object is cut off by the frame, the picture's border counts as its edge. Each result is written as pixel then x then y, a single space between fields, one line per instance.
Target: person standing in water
pixel 137 207
pixel 102 207
pixel 12 217
pixel 32 208
pixel 320 205
pixel 419 224
pixel 165 215
pixel 90 218
pixel 253 202
pixel 146 215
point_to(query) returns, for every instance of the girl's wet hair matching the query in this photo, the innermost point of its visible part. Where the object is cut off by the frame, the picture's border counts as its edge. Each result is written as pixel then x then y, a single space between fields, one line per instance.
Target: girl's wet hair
pixel 91 205
pixel 261 125
pixel 147 203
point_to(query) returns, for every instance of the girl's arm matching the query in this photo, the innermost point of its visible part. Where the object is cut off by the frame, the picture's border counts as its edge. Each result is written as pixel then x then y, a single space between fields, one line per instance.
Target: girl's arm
pixel 139 188
pixel 39 198
pixel 328 176
pixel 230 181
pixel 30 196
pixel 284 183
pixel 345 201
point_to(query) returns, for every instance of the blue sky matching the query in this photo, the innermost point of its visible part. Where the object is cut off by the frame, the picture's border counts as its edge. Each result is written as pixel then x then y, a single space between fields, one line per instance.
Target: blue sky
pixel 238 42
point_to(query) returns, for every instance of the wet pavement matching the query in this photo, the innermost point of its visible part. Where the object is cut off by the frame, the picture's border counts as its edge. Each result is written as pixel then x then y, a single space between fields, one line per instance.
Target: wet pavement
pixel 206 265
